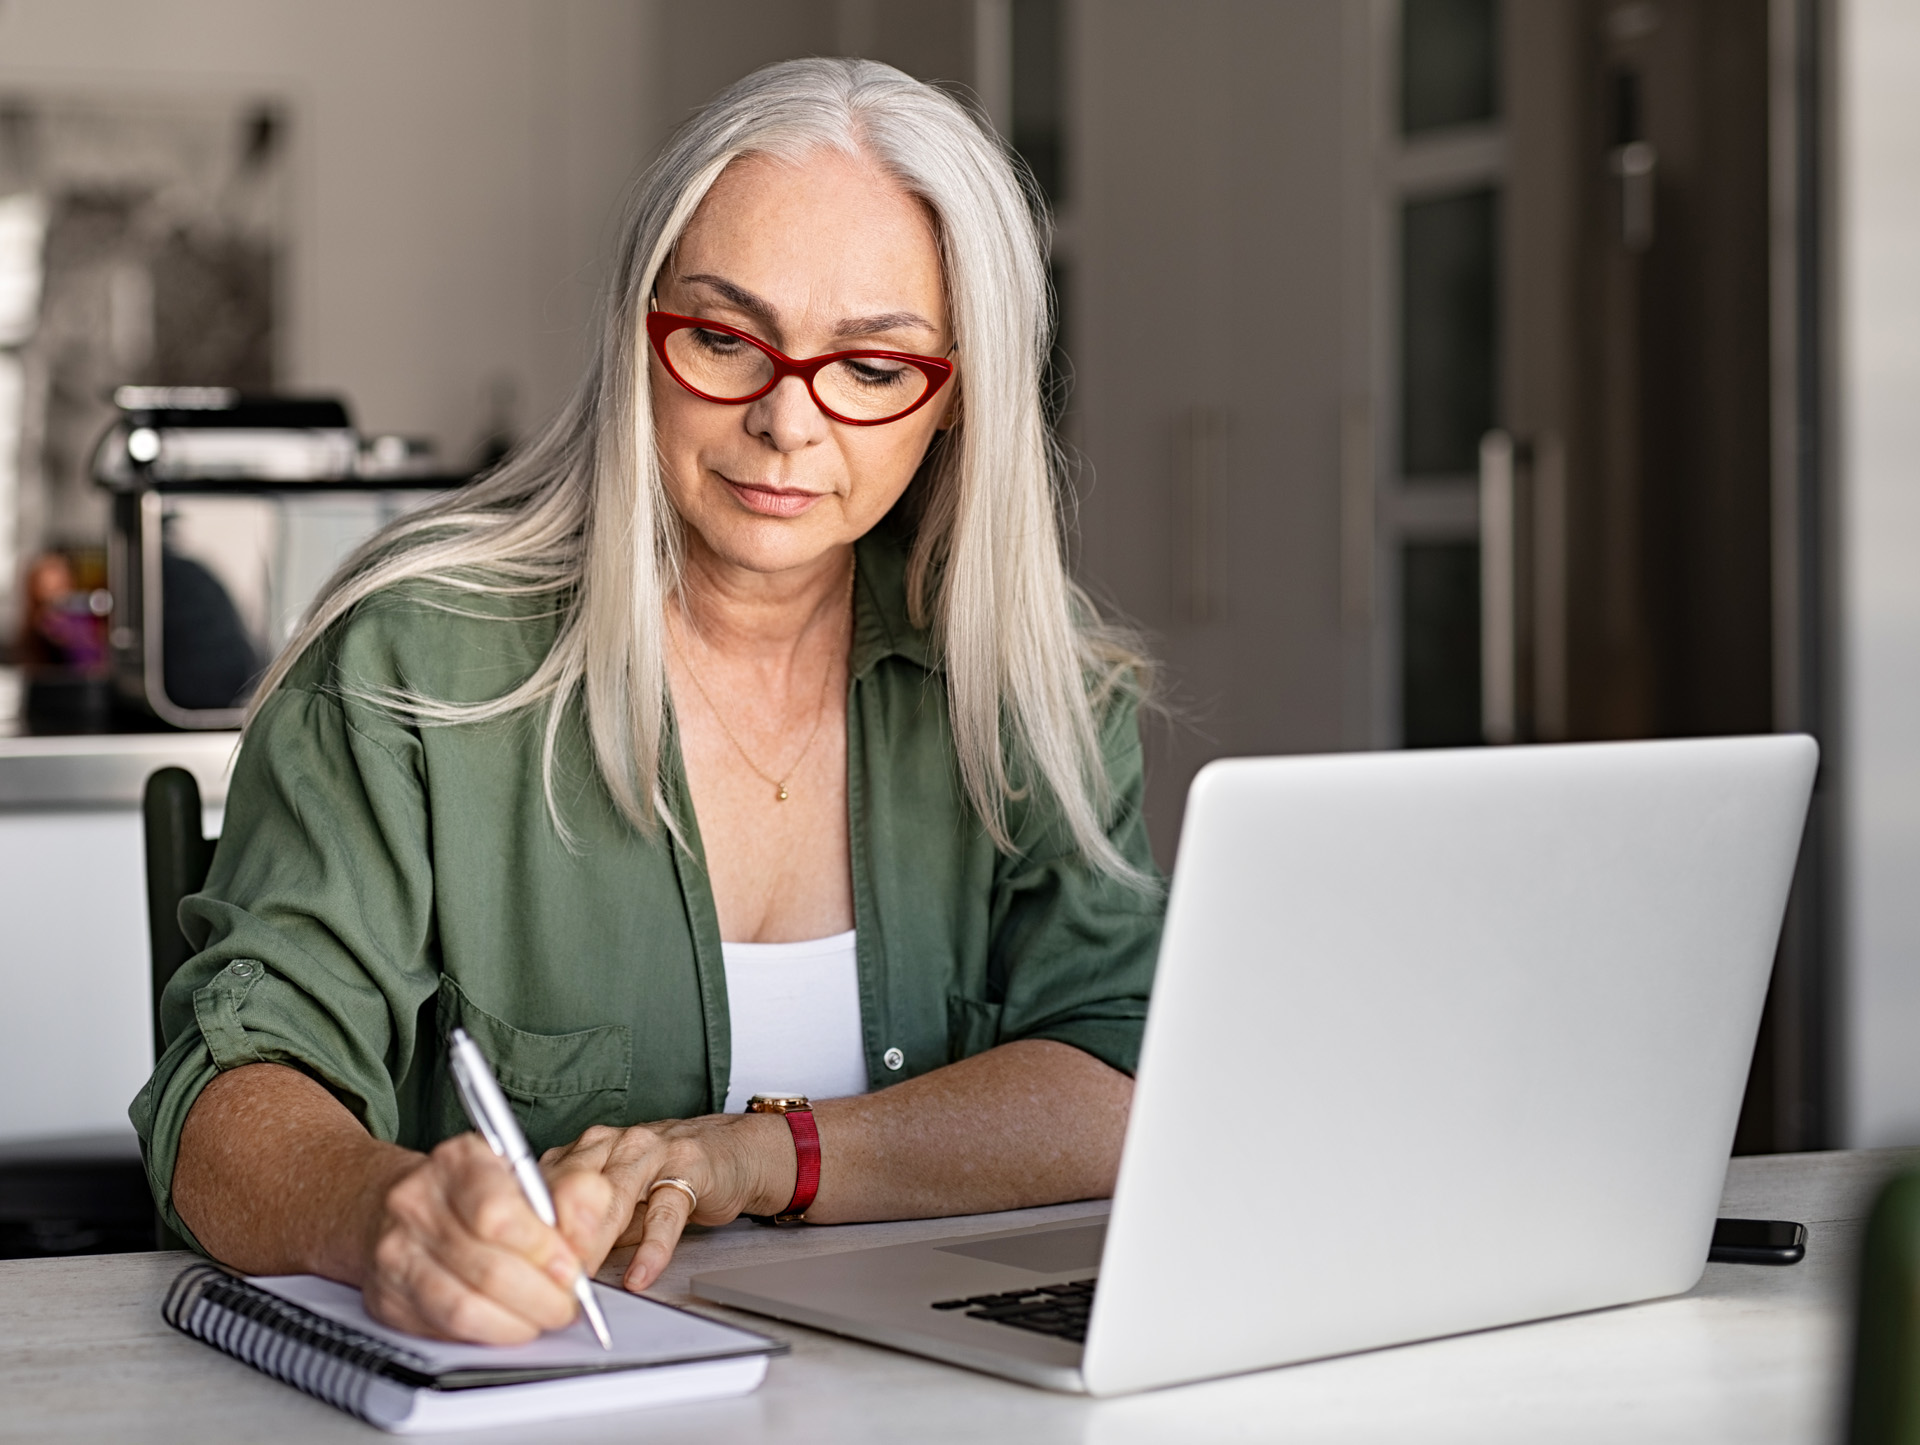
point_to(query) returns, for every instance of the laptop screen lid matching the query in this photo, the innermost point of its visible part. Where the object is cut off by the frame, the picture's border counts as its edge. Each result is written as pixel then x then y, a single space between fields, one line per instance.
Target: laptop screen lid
pixel 1441 1041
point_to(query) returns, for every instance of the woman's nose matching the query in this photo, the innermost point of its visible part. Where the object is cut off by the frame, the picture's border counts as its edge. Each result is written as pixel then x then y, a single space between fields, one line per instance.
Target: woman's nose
pixel 787 416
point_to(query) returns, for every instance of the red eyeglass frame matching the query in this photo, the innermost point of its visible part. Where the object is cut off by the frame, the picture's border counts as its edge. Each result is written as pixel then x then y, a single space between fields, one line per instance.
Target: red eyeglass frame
pixel 662 324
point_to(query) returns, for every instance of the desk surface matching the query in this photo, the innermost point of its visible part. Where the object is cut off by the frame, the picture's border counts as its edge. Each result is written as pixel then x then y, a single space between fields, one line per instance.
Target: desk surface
pixel 1751 1355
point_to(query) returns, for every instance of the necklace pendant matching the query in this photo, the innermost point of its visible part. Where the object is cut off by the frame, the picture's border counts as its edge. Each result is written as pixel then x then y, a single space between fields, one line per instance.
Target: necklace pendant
pixel 780 793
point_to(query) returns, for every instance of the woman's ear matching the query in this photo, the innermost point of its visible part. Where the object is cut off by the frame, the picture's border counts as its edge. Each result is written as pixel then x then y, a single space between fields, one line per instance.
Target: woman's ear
pixel 951 418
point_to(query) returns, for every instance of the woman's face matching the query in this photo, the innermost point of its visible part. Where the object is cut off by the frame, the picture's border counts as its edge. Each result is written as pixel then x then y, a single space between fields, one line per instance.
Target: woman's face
pixel 827 255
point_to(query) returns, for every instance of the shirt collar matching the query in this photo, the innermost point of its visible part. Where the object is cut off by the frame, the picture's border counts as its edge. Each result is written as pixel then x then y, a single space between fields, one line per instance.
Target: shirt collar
pixel 880 625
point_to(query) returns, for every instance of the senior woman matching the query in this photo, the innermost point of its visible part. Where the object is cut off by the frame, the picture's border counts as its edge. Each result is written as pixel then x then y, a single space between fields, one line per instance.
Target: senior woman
pixel 743 735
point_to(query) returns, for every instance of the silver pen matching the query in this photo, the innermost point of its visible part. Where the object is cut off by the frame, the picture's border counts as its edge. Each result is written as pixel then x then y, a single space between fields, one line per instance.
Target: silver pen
pixel 487 1107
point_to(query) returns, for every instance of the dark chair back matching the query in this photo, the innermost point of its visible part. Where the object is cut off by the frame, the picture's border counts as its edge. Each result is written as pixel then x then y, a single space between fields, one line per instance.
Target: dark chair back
pixel 178 855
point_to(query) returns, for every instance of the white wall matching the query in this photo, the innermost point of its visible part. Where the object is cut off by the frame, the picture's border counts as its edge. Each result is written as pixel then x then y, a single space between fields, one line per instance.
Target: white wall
pixel 457 167
pixel 1879 441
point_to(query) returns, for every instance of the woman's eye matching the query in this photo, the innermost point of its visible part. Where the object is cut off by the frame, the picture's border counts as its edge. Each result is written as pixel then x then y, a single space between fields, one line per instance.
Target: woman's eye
pixel 876 373
pixel 718 342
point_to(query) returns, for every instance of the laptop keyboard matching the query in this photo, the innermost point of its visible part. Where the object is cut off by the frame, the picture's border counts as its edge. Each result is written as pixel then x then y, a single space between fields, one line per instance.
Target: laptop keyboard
pixel 1049 1309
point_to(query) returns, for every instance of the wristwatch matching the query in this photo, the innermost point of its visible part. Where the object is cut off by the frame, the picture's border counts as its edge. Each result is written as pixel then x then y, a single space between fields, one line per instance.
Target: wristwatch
pixel 806 1153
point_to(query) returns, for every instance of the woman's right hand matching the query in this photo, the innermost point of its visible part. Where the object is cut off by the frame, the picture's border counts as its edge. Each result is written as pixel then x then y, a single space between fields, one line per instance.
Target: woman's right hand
pixel 275 1176
pixel 455 1251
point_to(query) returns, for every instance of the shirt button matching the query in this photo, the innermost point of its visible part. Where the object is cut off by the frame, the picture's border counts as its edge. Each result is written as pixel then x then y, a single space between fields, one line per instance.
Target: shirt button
pixel 894 1059
pixel 244 968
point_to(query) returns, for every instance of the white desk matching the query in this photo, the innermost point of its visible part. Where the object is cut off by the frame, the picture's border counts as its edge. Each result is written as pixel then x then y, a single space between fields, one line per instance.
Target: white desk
pixel 1752 1355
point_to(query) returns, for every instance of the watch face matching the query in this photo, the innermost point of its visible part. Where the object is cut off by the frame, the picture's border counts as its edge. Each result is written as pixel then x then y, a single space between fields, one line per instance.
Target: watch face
pixel 777 1103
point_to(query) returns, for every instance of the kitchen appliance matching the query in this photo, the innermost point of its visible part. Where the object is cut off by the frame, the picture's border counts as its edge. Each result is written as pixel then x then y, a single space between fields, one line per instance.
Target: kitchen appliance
pixel 229 514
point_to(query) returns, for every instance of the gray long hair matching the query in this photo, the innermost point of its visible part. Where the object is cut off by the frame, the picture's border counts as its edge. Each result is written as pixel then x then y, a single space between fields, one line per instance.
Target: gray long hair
pixel 581 511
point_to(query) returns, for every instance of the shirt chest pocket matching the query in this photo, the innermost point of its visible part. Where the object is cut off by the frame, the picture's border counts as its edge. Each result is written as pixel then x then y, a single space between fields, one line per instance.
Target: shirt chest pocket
pixel 559 1085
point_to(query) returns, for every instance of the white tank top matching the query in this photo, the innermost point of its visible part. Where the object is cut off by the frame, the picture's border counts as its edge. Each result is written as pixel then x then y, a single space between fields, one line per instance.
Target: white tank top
pixel 795 1009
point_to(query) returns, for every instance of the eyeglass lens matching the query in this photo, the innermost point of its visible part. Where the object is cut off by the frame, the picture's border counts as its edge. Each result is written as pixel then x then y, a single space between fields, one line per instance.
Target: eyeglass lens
pixel 868 388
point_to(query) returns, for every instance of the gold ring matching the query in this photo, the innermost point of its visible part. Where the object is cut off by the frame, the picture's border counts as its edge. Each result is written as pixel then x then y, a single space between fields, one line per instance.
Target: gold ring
pixel 693 1200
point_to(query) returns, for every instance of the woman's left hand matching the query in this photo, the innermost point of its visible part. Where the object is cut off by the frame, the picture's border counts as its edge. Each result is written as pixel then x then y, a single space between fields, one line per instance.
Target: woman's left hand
pixel 729 1160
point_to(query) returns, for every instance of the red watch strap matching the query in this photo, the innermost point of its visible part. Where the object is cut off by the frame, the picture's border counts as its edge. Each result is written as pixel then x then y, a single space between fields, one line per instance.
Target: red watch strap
pixel 806 1161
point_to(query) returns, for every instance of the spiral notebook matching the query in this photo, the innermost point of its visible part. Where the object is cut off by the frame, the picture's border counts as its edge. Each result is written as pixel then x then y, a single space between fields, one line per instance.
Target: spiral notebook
pixel 315 1335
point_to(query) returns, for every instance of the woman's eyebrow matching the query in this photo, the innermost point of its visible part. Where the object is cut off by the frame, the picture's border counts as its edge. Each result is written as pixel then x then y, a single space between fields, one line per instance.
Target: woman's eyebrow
pixel 738 296
pixel 885 321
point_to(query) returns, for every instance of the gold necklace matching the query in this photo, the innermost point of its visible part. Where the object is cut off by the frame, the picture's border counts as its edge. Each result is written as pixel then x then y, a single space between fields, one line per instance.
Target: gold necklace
pixel 780 793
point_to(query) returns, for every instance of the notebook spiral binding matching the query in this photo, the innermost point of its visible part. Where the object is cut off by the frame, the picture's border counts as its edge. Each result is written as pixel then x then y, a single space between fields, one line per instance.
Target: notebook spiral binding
pixel 278 1338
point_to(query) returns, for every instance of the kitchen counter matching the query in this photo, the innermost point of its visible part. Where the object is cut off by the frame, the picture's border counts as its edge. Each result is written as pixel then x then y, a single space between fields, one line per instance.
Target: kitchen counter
pixel 108 770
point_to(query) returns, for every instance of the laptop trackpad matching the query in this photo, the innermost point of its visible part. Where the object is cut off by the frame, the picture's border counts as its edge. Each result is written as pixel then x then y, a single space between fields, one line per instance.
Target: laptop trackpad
pixel 1055 1251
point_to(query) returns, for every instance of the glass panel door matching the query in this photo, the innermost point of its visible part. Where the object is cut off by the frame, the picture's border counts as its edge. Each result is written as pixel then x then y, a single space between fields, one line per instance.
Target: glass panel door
pixel 1441 191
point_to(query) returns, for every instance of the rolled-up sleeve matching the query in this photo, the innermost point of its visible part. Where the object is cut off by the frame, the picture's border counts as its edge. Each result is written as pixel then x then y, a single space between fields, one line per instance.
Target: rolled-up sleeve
pixel 315 929
pixel 1074 948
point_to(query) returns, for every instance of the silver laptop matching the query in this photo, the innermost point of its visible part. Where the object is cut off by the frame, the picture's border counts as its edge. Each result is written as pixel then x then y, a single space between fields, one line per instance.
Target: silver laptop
pixel 1439 1041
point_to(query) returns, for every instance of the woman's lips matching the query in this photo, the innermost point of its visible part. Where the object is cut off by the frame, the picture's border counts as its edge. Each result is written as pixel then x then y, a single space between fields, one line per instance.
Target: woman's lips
pixel 772 501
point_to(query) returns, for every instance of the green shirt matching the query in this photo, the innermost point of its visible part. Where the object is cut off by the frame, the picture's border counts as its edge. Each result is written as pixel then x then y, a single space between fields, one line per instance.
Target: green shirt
pixel 378 882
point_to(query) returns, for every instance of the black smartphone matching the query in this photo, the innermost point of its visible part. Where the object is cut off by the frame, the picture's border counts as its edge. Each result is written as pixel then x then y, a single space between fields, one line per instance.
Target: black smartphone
pixel 1757 1241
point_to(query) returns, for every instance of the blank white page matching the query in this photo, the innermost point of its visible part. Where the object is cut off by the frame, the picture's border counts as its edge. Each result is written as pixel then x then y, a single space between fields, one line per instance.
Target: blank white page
pixel 645 1332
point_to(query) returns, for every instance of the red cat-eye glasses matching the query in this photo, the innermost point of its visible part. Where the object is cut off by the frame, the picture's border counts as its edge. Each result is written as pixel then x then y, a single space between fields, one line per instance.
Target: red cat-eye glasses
pixel 717 362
